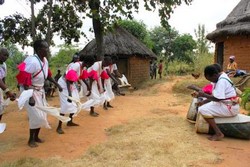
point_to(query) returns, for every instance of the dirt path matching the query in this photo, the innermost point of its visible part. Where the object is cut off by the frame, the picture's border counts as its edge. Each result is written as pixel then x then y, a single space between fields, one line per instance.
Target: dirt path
pixel 158 99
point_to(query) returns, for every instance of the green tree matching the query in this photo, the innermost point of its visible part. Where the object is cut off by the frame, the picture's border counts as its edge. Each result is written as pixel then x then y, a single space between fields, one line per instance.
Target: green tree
pixel 103 13
pixel 203 44
pixel 15 58
pixel 62 58
pixel 183 48
pixel 162 39
pixel 61 18
pixel 138 29
pixel 107 12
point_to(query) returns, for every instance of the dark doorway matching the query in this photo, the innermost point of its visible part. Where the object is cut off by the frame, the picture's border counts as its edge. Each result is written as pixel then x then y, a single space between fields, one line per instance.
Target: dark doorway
pixel 123 66
pixel 220 53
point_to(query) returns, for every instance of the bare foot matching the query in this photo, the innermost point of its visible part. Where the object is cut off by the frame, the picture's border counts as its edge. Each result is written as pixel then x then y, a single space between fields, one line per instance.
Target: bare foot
pixel 216 137
pixel 38 140
pixel 32 144
pixel 94 114
pixel 72 124
pixel 59 131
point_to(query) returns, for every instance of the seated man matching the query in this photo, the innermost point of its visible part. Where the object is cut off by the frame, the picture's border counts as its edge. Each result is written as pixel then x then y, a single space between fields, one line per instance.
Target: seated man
pixel 223 100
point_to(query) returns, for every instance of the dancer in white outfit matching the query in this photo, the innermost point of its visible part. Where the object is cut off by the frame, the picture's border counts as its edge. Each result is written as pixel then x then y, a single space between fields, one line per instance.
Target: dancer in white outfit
pixel 97 91
pixel 67 106
pixel 106 79
pixel 224 102
pixel 35 71
pixel 4 54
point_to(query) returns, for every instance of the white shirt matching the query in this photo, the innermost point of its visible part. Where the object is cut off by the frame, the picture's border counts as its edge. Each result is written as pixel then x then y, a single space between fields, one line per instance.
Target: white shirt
pixel 97 66
pixel 33 66
pixel 3 70
pixel 223 89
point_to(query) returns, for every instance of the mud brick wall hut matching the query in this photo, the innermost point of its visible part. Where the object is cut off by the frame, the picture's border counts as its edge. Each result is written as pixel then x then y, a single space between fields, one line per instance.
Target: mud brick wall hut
pixel 134 56
pixel 232 37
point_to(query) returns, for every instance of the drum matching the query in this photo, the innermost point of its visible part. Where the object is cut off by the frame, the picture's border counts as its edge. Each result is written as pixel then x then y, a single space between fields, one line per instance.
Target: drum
pixel 236 127
pixel 192 112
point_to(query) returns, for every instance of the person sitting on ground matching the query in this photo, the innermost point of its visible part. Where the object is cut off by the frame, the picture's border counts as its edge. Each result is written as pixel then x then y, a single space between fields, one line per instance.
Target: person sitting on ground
pixel 224 101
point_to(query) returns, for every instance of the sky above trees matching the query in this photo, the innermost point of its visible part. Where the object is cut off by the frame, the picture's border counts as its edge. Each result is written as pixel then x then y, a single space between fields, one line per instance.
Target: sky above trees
pixel 185 18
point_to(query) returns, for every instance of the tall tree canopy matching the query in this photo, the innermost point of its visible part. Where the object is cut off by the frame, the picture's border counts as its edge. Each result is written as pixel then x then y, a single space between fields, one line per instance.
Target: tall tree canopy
pixel 163 39
pixel 203 44
pixel 66 22
pixel 138 29
pixel 183 48
pixel 63 21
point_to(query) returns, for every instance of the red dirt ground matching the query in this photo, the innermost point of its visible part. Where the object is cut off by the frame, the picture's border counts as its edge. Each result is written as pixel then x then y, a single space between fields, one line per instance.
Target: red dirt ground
pixel 91 131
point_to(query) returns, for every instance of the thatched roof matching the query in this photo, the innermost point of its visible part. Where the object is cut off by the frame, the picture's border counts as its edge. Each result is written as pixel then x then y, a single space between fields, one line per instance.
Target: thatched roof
pixel 236 23
pixel 119 42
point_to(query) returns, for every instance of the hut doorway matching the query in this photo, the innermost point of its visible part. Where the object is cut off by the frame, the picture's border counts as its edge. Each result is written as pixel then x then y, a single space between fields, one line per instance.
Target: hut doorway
pixel 123 66
pixel 220 53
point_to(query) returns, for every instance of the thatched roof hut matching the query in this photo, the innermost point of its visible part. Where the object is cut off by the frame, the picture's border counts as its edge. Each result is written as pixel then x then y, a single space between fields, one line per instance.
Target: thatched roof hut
pixel 133 55
pixel 232 36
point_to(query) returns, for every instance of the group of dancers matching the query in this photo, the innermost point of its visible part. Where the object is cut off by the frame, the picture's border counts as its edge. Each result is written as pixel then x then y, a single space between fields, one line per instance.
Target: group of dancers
pixel 94 77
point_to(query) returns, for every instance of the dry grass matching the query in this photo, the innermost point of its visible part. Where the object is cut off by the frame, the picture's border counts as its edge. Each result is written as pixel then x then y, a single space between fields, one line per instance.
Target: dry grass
pixel 160 141
pixel 181 85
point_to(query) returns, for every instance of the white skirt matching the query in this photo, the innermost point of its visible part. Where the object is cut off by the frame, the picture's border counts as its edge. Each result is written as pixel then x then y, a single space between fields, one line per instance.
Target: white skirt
pixel 218 109
pixel 99 98
pixel 37 118
pixel 67 107
pixel 109 94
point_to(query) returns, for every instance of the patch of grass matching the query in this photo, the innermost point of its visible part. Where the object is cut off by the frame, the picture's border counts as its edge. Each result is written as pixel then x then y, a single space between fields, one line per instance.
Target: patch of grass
pixel 5 146
pixel 167 140
pixel 181 86
pixel 151 82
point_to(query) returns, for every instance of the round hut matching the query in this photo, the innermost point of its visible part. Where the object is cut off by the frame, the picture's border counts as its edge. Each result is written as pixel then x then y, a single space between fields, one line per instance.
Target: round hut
pixel 232 37
pixel 133 55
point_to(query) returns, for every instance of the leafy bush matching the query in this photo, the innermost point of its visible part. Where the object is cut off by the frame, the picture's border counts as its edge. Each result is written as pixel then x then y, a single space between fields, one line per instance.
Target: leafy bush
pixel 201 61
pixel 245 98
pixel 177 67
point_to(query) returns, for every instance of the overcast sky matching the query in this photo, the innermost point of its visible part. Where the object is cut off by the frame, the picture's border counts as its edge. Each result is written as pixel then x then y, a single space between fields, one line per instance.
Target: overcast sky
pixel 184 19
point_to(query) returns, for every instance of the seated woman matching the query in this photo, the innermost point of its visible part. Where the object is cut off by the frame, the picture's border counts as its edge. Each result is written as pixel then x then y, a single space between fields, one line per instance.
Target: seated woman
pixel 223 100
pixel 231 67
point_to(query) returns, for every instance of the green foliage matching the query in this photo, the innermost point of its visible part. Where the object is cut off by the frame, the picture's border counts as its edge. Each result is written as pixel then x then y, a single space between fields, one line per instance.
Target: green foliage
pixel 65 23
pixel 178 67
pixel 201 61
pixel 203 44
pixel 163 39
pixel 15 57
pixel 138 29
pixel 62 58
pixel 245 97
pixel 182 48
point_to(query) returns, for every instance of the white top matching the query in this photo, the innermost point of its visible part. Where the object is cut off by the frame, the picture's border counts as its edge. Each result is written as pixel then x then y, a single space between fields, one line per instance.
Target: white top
pixel 223 88
pixel 112 68
pixel 75 66
pixel 33 66
pixel 97 66
pixel 3 70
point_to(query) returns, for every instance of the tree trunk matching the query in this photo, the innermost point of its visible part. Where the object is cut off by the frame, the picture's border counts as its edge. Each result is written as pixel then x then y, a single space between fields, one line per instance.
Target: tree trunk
pixel 33 29
pixel 48 35
pixel 97 26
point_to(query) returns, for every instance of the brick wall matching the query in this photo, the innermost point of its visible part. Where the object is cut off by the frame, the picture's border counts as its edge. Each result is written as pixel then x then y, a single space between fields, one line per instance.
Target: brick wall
pixel 138 70
pixel 240 48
